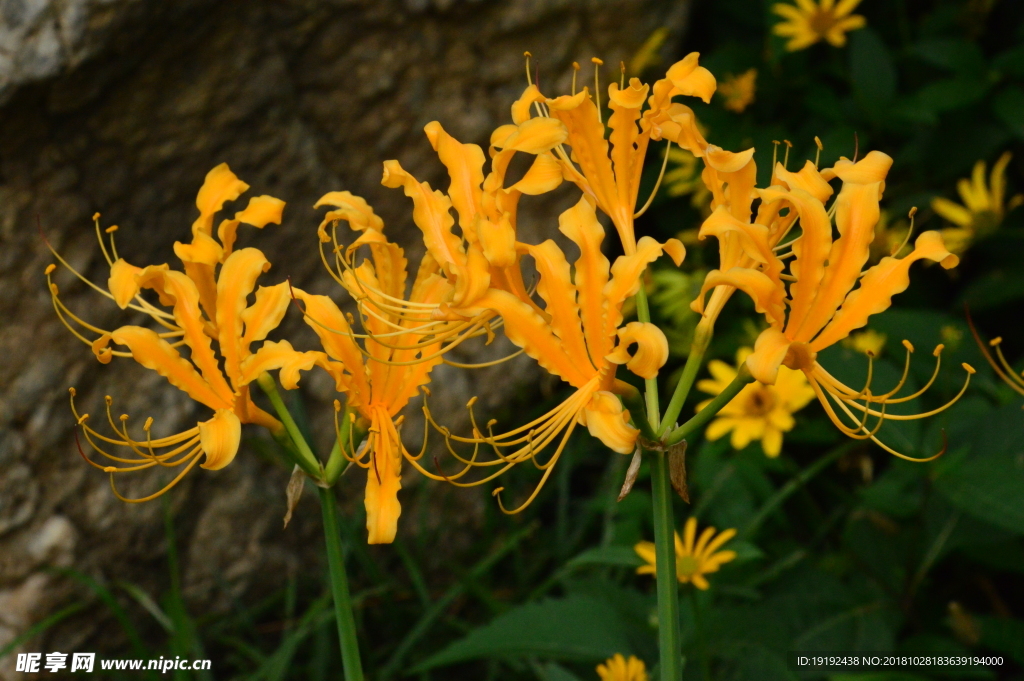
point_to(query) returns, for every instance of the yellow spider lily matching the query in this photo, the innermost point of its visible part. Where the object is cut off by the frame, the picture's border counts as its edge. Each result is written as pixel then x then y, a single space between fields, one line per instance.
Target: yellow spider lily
pixel 209 304
pixel 486 254
pixel 809 22
pixel 574 338
pixel 618 668
pixel 380 376
pixel 984 205
pixel 694 557
pixel 610 173
pixel 823 307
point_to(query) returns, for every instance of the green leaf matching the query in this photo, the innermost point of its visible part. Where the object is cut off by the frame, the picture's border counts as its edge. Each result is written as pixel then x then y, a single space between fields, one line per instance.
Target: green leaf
pixel 554 672
pixel 1003 635
pixel 619 556
pixel 989 483
pixel 1011 61
pixel 957 54
pixel 1008 106
pixel 574 628
pixel 952 93
pixel 871 70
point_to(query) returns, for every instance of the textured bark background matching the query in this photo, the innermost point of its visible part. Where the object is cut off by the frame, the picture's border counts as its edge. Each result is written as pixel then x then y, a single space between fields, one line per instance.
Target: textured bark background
pixel 121 106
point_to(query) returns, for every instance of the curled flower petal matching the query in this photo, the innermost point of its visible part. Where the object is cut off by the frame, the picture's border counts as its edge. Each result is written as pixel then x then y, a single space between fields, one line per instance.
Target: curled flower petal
pixel 692 80
pixel 651 349
pixel 122 282
pixel 220 437
pixel 609 422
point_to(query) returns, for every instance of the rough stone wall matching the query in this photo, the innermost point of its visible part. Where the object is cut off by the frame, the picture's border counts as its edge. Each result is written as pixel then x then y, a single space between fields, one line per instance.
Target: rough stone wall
pixel 121 106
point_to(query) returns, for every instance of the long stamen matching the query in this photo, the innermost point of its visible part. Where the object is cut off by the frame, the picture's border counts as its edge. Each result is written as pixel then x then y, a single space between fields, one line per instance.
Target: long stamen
pixel 597 88
pixel 657 184
pixel 817 155
pixel 575 70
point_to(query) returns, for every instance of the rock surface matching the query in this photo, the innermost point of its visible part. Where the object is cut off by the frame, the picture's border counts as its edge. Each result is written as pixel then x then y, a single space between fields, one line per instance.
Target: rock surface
pixel 121 106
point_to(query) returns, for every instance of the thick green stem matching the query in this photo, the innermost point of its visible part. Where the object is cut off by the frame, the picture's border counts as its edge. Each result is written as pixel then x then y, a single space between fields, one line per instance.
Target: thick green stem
pixel 304 456
pixel 339 589
pixel 701 339
pixel 643 313
pixel 665 568
pixel 702 637
pixel 743 377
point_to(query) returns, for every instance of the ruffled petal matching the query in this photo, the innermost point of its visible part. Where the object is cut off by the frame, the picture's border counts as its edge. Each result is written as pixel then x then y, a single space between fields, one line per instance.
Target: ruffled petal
pixel 122 282
pixel 690 79
pixel 465 164
pixel 220 186
pixel 236 281
pixel 153 352
pixel 770 350
pixel 879 285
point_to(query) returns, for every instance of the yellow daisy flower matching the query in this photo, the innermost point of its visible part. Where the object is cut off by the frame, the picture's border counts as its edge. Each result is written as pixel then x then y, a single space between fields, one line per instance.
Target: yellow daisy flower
pixel 618 668
pixel 809 22
pixel 759 412
pixel 983 205
pixel 694 557
pixel 868 342
pixel 738 91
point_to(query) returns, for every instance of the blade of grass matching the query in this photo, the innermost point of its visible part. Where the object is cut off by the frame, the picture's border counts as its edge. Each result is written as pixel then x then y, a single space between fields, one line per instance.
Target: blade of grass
pixel 439 606
pixel 42 626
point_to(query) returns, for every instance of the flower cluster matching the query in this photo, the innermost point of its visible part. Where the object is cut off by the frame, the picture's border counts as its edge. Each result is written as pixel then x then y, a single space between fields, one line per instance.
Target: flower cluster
pixel 470 284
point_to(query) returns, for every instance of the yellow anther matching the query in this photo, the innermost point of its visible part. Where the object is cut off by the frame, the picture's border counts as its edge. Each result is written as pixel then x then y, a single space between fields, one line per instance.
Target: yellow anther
pixel 912 213
pixel 472 401
pixel 938 350
pixel 108 399
pixel 49 269
pixel 109 469
pixel 908 345
pixel 83 418
pixel 124 417
pixel 337 405
pixel 817 141
pixel 95 216
pixel 426 391
pixel 527 54
pixel 789 145
pixel 54 290
pixel 148 424
pixel 597 61
pixel 497 491
pixel 111 229
pixel 576 66
pixel 492 422
pixel 968 368
pixel 72 391
pixel 996 341
pixel 870 353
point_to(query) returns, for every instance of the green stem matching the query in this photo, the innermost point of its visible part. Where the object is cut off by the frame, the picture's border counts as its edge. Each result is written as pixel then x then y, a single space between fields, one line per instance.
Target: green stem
pixel 304 455
pixel 665 568
pixel 339 588
pixel 743 377
pixel 643 313
pixel 701 339
pixel 702 639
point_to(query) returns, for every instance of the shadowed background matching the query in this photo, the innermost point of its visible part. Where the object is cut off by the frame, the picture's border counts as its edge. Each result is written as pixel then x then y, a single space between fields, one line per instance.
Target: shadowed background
pixel 122 106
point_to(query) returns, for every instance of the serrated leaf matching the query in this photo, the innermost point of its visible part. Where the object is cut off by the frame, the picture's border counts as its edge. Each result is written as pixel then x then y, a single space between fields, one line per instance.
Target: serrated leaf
pixel 574 628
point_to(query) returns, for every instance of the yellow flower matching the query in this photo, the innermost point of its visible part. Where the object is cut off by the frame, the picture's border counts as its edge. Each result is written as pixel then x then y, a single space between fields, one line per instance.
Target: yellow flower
pixel 380 376
pixel 618 668
pixel 822 307
pixel 694 557
pixel 808 22
pixel 606 162
pixel 984 205
pixel 209 304
pixel 574 338
pixel 869 342
pixel 759 412
pixel 738 91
